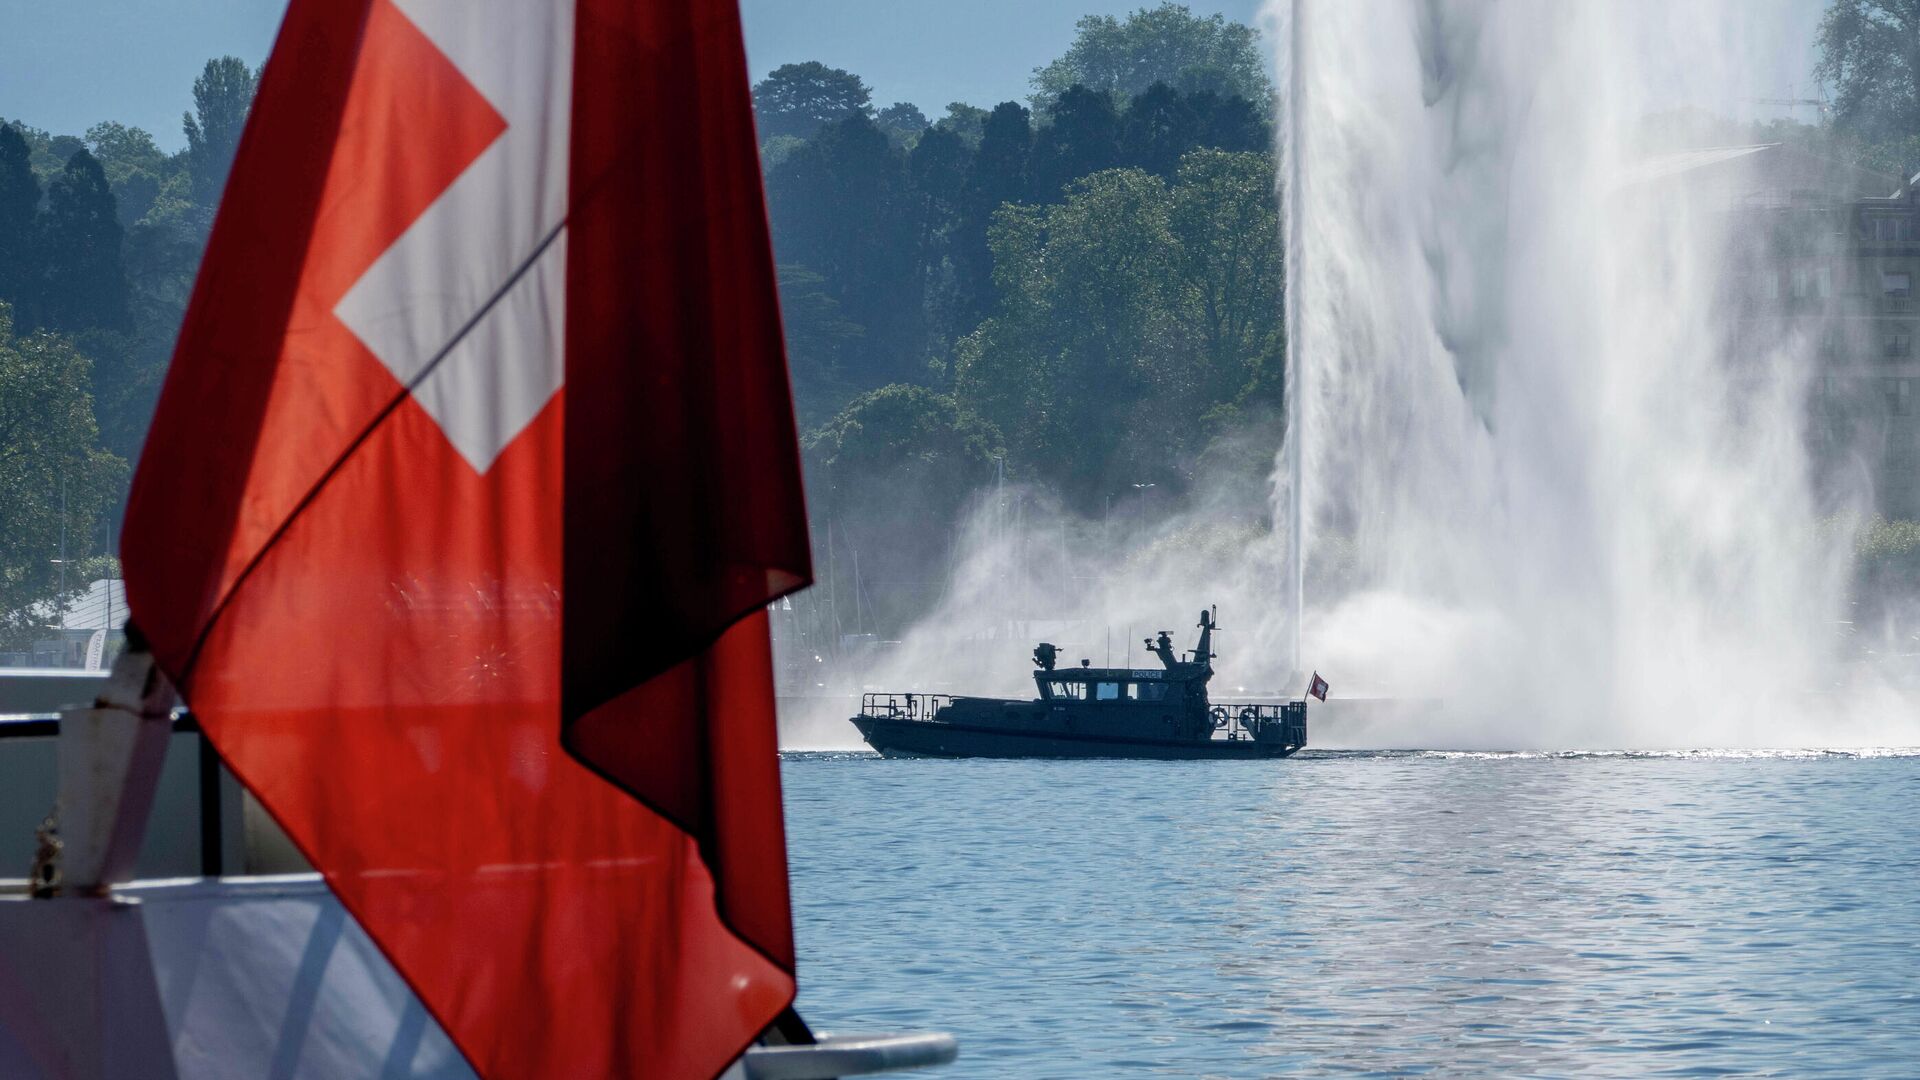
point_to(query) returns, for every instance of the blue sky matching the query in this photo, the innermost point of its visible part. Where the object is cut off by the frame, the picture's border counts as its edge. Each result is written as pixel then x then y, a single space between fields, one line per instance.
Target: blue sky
pixel 65 64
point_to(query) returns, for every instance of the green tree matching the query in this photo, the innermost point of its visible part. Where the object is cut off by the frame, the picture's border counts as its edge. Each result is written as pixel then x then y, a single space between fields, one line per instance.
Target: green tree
pixel 1229 122
pixel 964 120
pixel 903 122
pixel 896 465
pixel 1161 124
pixel 1168 44
pixel 1000 164
pixel 1869 53
pixel 19 203
pixel 937 178
pixel 134 165
pixel 1064 369
pixel 1001 174
pixel 915 436
pixel 1894 156
pixel 823 198
pixel 1081 136
pixel 84 286
pixel 47 444
pixel 818 340
pixel 121 149
pixel 799 99
pixel 222 96
pixel 47 153
pixel 938 166
pixel 1160 127
pixel 1136 317
pixel 1225 219
pixel 161 255
pixel 840 207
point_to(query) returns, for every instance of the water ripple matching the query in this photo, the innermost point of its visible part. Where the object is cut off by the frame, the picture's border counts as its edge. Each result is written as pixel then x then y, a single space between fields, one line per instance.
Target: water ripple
pixel 1675 913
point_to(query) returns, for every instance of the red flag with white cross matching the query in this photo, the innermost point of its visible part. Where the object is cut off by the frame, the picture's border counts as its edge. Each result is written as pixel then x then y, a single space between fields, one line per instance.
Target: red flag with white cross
pixel 1318 687
pixel 472 476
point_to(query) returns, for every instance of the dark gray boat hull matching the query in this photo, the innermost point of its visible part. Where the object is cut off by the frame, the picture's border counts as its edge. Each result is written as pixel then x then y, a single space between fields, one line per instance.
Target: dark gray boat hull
pixel 902 737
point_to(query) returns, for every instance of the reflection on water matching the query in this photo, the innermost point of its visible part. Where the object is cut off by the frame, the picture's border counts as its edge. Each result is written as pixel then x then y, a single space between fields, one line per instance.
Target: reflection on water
pixel 1370 913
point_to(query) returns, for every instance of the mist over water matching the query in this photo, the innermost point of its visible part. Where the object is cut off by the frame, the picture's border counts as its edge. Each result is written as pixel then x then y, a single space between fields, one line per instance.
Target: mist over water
pixel 1573 484
pixel 1551 477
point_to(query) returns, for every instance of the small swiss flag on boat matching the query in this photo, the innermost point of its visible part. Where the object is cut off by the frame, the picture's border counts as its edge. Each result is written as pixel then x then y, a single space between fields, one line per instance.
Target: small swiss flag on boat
pixel 1318 687
pixel 471 480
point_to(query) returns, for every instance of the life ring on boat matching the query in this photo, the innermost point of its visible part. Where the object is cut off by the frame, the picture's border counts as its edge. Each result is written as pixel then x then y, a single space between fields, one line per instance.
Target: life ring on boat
pixel 1249 718
pixel 1220 718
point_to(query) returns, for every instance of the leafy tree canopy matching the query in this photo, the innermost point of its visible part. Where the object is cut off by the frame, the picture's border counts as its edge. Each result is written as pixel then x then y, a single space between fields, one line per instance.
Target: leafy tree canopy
pixel 938 164
pixel 1168 44
pixel 818 339
pixel 19 203
pixel 1869 53
pixel 964 120
pixel 1135 315
pixel 46 153
pixel 893 471
pixel 842 206
pixel 1893 156
pixel 799 99
pixel 135 167
pixel 47 436
pixel 902 121
pixel 904 426
pixel 121 149
pixel 222 96
pixel 84 285
pixel 1081 136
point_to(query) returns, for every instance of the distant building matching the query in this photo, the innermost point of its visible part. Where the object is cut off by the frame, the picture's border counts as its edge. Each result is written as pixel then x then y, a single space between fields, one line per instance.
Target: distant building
pixel 1833 252
pixel 96 615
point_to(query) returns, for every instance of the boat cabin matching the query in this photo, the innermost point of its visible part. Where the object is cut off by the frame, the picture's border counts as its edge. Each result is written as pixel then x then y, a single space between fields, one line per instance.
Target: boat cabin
pixel 1111 684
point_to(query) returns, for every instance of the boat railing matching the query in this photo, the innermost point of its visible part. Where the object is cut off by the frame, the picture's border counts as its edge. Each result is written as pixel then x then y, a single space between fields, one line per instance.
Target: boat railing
pixel 209 793
pixel 904 706
pixel 1284 721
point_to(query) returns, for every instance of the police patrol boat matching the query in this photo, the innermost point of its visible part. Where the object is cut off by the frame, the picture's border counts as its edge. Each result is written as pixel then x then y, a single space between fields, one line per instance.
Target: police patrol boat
pixel 1090 712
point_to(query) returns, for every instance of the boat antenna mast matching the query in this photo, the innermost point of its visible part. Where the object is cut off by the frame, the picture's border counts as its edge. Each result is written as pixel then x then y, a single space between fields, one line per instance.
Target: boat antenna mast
pixel 1203 653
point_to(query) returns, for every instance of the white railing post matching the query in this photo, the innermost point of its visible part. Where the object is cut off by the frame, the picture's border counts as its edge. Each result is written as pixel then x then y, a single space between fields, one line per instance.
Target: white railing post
pixel 109 761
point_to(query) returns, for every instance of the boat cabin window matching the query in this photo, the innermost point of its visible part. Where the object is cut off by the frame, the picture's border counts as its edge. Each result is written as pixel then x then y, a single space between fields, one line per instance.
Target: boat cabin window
pixel 1063 688
pixel 1152 691
pixel 1109 691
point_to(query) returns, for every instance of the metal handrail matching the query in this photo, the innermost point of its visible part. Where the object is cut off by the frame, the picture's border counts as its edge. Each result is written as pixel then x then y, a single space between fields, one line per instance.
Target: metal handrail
pixel 849 1055
pixel 1291 716
pixel 212 838
pixel 39 725
pixel 904 706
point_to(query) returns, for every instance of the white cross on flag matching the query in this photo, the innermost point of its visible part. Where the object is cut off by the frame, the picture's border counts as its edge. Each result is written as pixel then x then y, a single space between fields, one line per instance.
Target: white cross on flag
pixel 1318 687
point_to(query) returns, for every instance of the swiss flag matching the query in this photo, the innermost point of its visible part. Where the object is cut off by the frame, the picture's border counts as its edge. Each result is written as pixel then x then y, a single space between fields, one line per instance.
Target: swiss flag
pixel 1318 687
pixel 472 476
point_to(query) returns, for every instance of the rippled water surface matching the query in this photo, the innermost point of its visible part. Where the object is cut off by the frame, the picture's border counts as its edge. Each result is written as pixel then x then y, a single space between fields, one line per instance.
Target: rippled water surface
pixel 1369 913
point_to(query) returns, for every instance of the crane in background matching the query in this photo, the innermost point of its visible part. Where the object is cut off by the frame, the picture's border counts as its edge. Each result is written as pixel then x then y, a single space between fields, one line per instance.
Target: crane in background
pixel 1820 105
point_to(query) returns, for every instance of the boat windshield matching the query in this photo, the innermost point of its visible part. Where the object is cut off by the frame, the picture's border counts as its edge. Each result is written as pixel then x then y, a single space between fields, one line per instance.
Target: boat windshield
pixel 1062 688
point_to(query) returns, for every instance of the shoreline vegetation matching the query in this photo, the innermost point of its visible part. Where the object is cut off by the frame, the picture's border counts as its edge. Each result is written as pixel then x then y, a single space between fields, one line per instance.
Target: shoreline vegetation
pixel 1079 293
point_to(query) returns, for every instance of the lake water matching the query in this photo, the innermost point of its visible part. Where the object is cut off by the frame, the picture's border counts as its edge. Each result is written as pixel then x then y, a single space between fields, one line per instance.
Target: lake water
pixel 1370 913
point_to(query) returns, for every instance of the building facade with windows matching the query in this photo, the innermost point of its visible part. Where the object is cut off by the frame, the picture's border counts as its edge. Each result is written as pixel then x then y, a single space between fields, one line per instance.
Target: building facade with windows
pixel 1823 258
